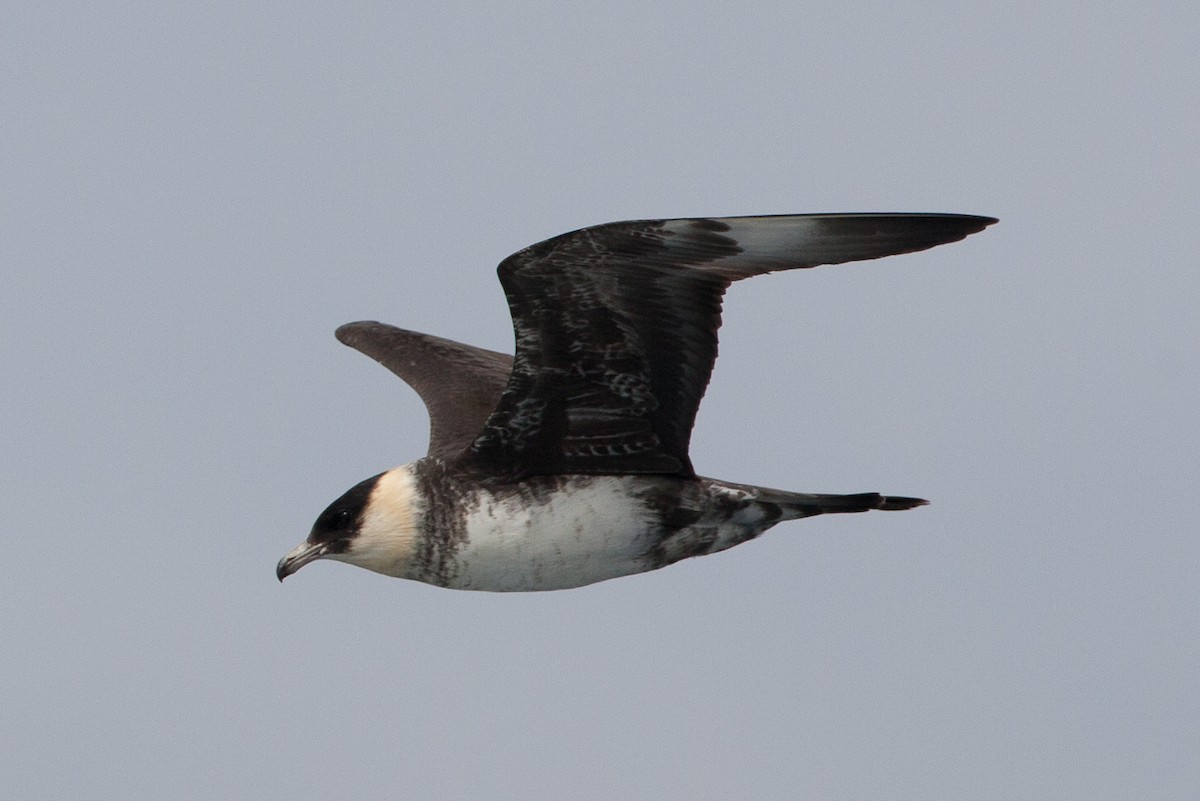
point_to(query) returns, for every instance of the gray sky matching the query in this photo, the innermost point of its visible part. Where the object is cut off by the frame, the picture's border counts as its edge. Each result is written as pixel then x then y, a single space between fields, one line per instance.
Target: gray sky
pixel 195 195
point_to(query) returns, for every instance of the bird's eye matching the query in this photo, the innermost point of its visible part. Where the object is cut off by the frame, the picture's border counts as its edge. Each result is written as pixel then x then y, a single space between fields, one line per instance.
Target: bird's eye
pixel 341 519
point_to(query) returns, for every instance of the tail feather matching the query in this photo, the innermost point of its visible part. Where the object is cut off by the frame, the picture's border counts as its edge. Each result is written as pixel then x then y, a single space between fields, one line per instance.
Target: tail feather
pixel 859 502
pixel 896 503
pixel 805 504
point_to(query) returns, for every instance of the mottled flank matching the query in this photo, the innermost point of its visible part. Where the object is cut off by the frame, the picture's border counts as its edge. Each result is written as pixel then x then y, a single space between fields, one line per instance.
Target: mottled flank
pixel 568 463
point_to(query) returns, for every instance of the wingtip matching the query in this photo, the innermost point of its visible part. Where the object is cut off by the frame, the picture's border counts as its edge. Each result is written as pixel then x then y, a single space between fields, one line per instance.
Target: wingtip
pixel 347 333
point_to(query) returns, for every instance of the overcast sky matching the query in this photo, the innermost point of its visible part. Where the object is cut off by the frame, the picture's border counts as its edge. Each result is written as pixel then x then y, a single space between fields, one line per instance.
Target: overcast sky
pixel 194 195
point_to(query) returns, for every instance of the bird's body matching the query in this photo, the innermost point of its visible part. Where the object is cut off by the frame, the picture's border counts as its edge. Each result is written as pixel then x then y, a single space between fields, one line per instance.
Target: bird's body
pixel 471 532
pixel 568 465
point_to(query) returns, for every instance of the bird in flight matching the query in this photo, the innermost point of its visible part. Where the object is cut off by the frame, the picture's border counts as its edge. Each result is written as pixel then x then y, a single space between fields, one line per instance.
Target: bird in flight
pixel 567 463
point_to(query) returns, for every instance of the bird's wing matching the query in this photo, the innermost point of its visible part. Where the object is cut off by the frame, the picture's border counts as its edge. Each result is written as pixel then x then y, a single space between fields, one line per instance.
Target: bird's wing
pixel 616 329
pixel 459 384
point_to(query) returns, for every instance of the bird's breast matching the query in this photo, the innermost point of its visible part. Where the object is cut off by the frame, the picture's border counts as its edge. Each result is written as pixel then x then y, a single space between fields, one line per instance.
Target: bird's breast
pixel 553 533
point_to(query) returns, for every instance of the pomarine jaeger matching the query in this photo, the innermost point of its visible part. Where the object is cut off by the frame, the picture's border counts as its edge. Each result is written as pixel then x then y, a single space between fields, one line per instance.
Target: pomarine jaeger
pixel 568 463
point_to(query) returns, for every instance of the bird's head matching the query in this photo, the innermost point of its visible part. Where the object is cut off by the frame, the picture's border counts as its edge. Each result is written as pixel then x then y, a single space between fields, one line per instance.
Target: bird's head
pixel 373 525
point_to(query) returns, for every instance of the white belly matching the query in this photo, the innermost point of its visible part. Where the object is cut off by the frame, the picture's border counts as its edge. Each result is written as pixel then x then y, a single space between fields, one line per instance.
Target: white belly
pixel 583 534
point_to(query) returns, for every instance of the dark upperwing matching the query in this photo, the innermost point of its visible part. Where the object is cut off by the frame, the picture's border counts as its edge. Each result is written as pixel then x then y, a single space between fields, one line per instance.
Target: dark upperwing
pixel 616 330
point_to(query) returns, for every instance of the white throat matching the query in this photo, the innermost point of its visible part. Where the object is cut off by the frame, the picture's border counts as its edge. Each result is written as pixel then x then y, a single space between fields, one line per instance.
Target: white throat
pixel 387 537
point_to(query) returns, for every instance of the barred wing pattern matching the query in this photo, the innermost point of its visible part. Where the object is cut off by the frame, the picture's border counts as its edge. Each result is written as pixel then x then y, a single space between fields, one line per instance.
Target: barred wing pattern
pixel 616 329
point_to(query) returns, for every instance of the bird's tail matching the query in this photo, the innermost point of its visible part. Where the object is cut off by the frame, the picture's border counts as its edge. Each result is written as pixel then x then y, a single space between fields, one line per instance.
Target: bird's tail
pixel 793 505
pixel 812 504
